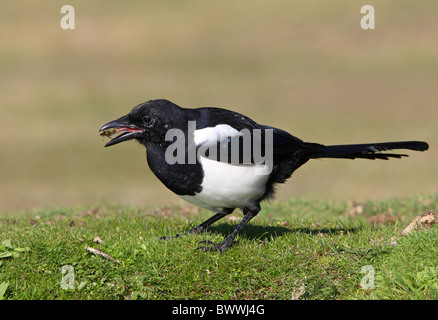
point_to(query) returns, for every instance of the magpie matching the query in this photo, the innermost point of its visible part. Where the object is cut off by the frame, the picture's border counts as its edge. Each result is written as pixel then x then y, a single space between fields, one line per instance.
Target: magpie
pixel 203 155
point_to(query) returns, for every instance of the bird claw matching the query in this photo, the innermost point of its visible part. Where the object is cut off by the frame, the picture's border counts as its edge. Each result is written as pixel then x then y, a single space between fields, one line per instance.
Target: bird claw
pixel 212 246
pixel 193 231
pixel 165 238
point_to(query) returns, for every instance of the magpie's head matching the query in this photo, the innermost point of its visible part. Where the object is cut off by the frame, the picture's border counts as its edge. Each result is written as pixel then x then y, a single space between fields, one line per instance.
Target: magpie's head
pixel 147 122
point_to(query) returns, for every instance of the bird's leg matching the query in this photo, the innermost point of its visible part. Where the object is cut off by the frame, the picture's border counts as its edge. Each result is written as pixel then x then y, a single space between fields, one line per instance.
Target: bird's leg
pixel 203 225
pixel 249 213
pixel 211 220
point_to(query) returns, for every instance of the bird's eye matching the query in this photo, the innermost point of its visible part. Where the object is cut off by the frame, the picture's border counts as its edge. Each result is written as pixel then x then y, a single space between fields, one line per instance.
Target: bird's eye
pixel 147 119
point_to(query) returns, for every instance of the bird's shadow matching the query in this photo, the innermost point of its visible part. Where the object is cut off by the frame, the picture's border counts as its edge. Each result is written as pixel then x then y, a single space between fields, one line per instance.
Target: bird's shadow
pixel 266 233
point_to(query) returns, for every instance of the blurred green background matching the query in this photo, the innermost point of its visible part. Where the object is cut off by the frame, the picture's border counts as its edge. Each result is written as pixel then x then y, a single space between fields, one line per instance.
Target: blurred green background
pixel 304 66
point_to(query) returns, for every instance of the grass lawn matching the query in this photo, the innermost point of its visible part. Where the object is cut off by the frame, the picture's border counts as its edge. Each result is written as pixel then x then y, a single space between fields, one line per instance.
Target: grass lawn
pixel 295 249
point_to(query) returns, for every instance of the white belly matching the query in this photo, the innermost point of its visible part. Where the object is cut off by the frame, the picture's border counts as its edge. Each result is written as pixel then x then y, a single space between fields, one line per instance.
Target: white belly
pixel 229 185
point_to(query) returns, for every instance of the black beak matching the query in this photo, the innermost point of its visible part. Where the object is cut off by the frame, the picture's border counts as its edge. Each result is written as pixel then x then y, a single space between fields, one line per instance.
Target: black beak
pixel 122 124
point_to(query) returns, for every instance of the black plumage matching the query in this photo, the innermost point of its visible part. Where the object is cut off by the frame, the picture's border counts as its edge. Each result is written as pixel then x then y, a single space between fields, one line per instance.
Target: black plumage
pixel 215 171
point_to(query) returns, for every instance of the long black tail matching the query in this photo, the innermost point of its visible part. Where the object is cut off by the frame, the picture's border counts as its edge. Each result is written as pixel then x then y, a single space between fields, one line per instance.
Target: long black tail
pixel 367 150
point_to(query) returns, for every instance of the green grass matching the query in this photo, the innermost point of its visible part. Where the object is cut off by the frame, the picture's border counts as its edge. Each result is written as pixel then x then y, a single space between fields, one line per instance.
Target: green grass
pixel 294 249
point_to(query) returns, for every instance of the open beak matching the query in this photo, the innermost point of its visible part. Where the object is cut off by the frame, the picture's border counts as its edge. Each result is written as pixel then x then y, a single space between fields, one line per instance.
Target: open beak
pixel 129 131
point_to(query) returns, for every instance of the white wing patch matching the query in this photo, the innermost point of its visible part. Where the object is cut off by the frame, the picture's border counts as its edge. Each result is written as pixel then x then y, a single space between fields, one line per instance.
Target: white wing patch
pixel 212 135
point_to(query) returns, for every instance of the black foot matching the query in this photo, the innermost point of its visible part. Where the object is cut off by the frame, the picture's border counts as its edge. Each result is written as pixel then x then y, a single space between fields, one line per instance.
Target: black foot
pixel 164 238
pixel 221 247
pixel 193 231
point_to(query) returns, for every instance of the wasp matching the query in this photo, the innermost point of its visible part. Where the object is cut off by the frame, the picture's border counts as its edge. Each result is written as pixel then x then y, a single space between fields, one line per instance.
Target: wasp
pixel 108 132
